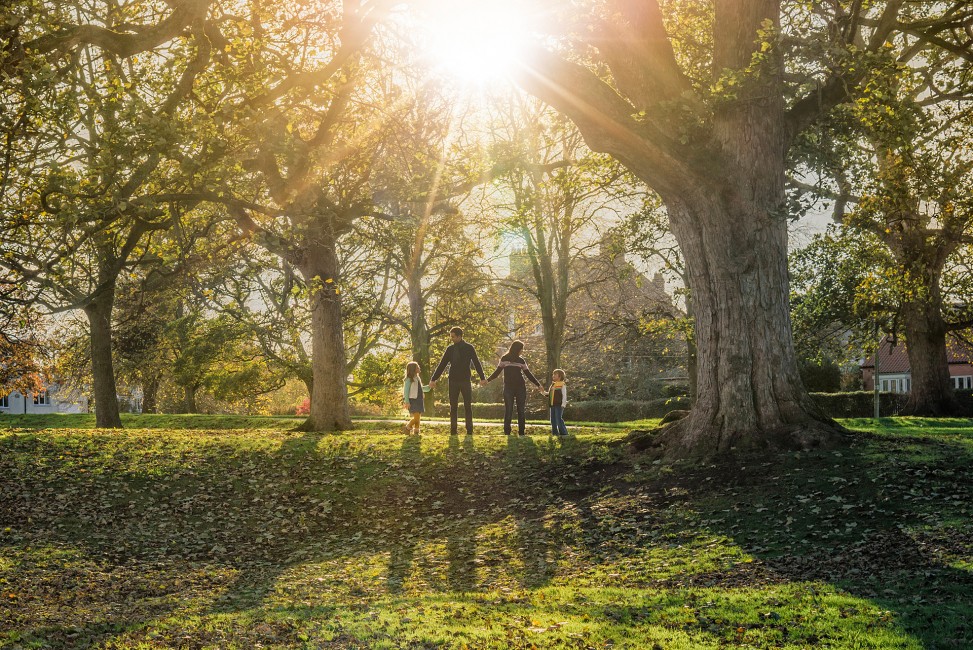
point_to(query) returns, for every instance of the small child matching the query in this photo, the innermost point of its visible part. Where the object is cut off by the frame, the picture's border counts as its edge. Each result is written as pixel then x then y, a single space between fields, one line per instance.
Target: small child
pixel 412 396
pixel 559 399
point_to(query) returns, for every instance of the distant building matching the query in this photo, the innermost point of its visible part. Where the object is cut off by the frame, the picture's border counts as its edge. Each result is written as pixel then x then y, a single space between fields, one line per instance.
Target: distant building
pixel 47 401
pixel 602 337
pixel 895 375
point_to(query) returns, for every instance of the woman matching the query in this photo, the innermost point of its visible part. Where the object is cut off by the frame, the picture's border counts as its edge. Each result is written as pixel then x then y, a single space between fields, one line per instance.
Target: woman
pixel 513 367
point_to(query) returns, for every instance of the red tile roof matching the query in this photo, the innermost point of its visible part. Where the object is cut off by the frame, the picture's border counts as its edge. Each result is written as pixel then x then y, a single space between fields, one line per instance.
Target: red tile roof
pixel 895 358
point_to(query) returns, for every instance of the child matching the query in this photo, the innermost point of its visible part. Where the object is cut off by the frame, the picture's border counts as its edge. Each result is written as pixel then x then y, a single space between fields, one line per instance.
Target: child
pixel 412 396
pixel 559 399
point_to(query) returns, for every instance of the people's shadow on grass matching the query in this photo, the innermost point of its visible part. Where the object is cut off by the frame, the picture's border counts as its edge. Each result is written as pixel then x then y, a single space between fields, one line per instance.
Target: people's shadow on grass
pixel 254 512
pixel 401 529
pixel 538 552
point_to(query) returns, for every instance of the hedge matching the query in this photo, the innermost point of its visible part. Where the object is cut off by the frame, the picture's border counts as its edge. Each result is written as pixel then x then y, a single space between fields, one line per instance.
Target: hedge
pixel 587 411
pixel 857 404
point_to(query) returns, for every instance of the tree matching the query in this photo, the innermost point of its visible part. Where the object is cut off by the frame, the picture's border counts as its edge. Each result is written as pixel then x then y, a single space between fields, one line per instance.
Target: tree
pixel 437 261
pixel 104 123
pixel 298 100
pixel 897 164
pixel 708 126
pixel 269 299
pixel 22 366
pixel 559 194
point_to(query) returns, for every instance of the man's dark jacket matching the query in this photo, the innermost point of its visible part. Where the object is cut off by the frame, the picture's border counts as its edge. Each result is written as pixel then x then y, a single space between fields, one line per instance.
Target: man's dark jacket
pixel 460 357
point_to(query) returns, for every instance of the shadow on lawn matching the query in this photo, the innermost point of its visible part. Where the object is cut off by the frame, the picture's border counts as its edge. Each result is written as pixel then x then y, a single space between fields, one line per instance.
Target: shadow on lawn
pixel 263 513
pixel 300 504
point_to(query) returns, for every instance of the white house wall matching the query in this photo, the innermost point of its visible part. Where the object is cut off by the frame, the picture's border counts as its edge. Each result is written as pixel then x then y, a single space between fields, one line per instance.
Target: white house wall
pixel 16 405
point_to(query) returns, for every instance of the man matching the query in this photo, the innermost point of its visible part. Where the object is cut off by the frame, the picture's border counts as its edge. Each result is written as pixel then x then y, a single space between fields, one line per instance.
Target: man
pixel 460 357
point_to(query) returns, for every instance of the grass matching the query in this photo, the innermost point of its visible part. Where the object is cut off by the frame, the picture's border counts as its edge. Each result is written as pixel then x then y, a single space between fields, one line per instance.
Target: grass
pixel 236 533
pixel 278 422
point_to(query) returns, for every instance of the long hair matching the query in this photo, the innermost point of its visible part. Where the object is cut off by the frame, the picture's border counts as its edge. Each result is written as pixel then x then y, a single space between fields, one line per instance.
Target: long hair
pixel 516 348
pixel 412 371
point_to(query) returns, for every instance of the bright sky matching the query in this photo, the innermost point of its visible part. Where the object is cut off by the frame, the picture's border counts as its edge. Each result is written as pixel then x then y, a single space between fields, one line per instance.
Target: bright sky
pixel 476 42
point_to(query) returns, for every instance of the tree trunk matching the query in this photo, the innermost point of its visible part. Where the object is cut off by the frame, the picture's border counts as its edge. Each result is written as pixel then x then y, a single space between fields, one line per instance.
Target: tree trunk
pixel 150 394
pixel 329 396
pixel 691 355
pixel 691 369
pixel 419 331
pixel 749 393
pixel 925 336
pixel 189 399
pixel 99 313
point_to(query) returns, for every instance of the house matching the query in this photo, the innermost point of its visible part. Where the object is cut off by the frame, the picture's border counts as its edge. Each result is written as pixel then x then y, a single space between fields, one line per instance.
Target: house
pixel 46 401
pixel 894 373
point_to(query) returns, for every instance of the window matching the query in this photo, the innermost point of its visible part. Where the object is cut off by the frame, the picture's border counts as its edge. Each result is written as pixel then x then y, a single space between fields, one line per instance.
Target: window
pixel 964 382
pixel 42 398
pixel 900 384
pixel 5 402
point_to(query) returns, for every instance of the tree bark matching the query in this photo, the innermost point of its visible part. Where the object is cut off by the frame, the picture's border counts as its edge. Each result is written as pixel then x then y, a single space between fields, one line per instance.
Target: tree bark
pixel 189 399
pixel 99 313
pixel 419 330
pixel 749 393
pixel 329 395
pixel 150 394
pixel 691 369
pixel 691 355
pixel 925 334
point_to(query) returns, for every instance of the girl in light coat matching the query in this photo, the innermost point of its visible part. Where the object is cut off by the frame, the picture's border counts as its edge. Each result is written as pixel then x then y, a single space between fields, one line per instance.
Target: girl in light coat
pixel 413 396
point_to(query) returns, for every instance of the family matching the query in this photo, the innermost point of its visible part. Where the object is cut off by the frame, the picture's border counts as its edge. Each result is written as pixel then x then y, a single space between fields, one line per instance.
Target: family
pixel 461 359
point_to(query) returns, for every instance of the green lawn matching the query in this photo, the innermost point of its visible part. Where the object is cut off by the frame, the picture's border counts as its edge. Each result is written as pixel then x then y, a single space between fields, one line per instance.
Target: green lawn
pixel 223 533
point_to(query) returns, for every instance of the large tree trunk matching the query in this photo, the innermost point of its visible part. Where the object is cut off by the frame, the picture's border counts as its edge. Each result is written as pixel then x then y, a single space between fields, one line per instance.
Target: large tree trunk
pixel 691 356
pixel 749 393
pixel 99 313
pixel 329 396
pixel 925 335
pixel 723 186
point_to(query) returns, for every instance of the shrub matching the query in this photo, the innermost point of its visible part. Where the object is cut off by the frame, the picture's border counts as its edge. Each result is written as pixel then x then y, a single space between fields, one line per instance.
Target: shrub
pixel 587 411
pixel 304 408
pixel 858 404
